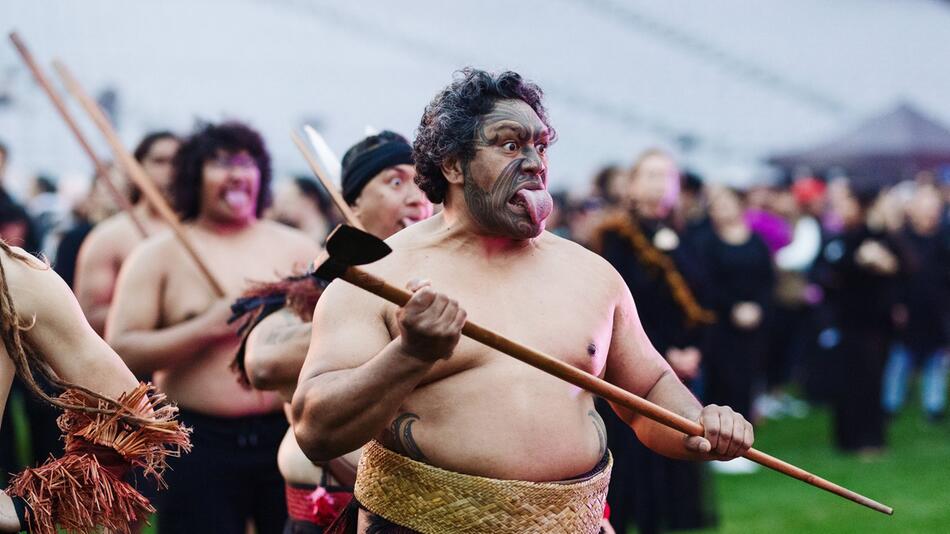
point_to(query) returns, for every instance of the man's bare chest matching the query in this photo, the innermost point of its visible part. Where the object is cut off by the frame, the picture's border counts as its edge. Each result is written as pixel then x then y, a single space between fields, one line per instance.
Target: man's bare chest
pixel 187 293
pixel 560 317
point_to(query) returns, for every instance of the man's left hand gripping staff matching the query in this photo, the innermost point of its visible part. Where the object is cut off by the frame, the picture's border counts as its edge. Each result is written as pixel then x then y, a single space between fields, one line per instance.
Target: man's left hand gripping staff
pixel 727 435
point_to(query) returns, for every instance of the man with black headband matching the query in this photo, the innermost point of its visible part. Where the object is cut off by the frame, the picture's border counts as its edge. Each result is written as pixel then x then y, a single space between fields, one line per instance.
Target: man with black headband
pixel 166 320
pixel 378 184
pixel 377 173
pixel 457 436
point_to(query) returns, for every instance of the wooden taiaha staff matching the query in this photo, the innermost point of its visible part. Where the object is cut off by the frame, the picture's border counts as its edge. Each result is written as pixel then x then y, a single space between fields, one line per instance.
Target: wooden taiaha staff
pixel 102 173
pixel 338 200
pixel 136 172
pixel 348 247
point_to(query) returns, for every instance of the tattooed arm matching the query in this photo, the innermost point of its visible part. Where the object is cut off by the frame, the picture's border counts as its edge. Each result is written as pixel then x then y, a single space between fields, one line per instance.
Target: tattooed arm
pixel 355 378
pixel 275 352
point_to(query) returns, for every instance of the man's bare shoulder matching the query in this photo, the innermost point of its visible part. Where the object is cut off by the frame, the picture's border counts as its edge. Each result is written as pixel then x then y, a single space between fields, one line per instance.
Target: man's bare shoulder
pixel 568 252
pixel 28 279
pixel 19 262
pixel 289 244
pixel 114 233
pixel 290 236
pixel 159 249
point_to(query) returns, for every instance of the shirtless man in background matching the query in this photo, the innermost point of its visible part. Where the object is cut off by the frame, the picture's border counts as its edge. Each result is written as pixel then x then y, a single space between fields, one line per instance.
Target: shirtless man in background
pixel 112 240
pixel 401 380
pixel 166 320
pixel 378 184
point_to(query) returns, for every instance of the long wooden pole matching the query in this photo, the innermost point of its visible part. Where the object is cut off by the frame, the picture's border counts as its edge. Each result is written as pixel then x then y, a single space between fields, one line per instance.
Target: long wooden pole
pixel 151 193
pixel 102 173
pixel 341 204
pixel 602 388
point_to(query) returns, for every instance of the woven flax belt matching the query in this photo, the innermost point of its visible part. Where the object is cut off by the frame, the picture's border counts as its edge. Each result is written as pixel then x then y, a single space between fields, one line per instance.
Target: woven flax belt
pixel 434 501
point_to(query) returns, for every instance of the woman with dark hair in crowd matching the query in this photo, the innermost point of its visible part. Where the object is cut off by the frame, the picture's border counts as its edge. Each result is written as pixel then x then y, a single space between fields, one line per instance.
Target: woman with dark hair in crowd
pixel 858 271
pixel 652 491
pixel 741 281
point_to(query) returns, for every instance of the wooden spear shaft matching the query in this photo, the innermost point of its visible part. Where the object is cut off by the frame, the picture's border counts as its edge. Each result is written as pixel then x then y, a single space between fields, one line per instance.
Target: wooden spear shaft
pixel 602 388
pixel 149 190
pixel 341 204
pixel 102 173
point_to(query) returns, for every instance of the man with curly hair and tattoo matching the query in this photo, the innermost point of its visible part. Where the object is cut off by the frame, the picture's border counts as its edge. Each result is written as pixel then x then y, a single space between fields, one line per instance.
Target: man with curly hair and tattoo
pixel 165 320
pixel 460 438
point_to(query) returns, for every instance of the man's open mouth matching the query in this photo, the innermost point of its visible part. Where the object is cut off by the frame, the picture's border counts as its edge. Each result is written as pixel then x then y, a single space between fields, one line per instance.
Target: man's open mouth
pixel 534 200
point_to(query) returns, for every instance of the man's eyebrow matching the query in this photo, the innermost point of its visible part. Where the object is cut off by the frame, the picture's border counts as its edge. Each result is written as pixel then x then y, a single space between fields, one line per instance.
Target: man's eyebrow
pixel 517 128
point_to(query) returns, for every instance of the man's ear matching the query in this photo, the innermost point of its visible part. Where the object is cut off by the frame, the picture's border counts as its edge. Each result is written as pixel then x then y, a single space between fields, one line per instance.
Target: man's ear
pixel 452 170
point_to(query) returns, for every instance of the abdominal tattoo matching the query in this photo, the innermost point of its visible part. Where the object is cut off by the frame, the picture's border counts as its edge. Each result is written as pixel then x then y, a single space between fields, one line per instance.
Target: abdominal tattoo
pixel 601 431
pixel 401 430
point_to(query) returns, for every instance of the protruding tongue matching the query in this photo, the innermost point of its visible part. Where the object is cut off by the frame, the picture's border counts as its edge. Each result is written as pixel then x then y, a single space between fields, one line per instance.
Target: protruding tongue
pixel 237 198
pixel 538 203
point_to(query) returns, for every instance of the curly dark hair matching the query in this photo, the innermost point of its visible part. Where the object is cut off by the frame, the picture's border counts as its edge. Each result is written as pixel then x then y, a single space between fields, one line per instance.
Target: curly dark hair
pixel 203 145
pixel 451 120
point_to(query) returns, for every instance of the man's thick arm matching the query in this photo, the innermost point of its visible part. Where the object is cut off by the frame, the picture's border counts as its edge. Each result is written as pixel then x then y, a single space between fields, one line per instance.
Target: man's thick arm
pixel 8 518
pixel 133 328
pixel 275 351
pixel 96 272
pixel 60 331
pixel 635 365
pixel 354 379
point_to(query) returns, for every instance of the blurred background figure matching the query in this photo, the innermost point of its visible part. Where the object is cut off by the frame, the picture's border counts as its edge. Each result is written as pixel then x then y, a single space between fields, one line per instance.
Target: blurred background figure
pixel 649 491
pixel 858 271
pixel 95 207
pixel 48 209
pixel 741 282
pixel 923 316
pixel 106 247
pixel 302 203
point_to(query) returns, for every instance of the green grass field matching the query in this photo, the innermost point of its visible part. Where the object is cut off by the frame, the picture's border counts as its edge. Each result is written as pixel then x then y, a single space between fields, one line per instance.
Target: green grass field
pixel 913 477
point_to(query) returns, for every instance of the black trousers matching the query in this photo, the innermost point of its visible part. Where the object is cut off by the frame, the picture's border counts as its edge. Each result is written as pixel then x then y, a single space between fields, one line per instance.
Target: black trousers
pixel 858 415
pixel 229 477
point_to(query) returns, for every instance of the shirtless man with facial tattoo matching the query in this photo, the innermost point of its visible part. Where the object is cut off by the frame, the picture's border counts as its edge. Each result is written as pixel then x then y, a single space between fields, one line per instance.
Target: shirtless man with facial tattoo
pixel 456 435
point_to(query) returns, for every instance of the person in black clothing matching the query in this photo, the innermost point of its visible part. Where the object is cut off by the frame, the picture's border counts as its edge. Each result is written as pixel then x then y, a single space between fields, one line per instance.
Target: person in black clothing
pixel 741 282
pixel 858 271
pixel 654 492
pixel 924 329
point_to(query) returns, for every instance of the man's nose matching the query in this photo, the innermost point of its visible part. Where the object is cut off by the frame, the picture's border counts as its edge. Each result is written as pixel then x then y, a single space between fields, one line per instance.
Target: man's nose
pixel 533 164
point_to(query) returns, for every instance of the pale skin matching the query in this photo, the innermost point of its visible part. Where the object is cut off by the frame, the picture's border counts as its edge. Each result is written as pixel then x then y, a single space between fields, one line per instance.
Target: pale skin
pixel 165 318
pixel 277 346
pixel 64 338
pixel 111 241
pixel 404 377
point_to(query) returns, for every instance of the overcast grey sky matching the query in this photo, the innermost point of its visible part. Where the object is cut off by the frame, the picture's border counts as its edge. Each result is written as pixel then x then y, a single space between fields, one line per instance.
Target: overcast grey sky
pixel 743 78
